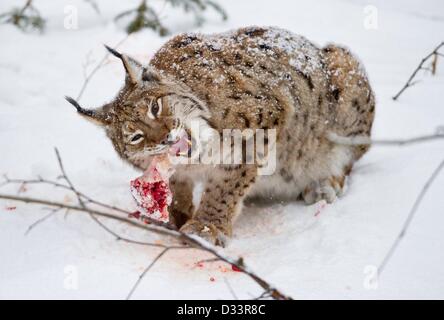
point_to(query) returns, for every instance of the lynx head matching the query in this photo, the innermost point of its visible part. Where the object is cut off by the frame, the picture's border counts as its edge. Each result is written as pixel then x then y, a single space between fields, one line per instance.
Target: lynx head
pixel 151 114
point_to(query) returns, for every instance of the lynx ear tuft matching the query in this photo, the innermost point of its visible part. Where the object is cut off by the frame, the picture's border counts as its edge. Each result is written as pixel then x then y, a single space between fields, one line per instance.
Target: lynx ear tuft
pixel 113 52
pixel 133 68
pixel 85 112
pixel 95 116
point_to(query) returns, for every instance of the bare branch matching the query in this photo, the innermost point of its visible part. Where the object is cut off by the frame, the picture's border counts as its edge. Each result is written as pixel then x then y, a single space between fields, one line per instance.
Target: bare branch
pixel 410 217
pixel 56 204
pixel 162 230
pixel 170 230
pixel 44 218
pixel 207 261
pixel 264 295
pixel 365 140
pixel 142 275
pixel 84 198
pixel 97 68
pixel 82 203
pixel 94 5
pixel 231 289
pixel 148 224
pixel 40 180
pixel 419 67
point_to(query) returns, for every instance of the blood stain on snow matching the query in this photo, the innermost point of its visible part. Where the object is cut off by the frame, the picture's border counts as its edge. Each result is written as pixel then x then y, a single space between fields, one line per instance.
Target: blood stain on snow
pixel 321 207
pixel 10 208
pixel 235 269
pixel 135 214
pixel 67 199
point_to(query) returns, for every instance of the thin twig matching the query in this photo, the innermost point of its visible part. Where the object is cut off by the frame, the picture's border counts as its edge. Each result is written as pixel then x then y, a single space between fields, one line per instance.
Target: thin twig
pixel 97 68
pixel 148 268
pixel 410 217
pixel 44 218
pixel 365 140
pixel 82 199
pixel 419 67
pixel 65 177
pixel 154 226
pixel 41 180
pixel 207 260
pixel 87 199
pixel 22 10
pixel 134 223
pixel 264 295
pixel 82 203
pixel 231 289
pixel 192 241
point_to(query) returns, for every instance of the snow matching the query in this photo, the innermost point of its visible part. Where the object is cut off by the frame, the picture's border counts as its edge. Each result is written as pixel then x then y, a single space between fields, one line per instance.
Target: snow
pixel 318 251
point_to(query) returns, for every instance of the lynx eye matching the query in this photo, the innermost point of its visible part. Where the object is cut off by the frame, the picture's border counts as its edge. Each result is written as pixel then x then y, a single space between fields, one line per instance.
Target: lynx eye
pixel 155 109
pixel 137 138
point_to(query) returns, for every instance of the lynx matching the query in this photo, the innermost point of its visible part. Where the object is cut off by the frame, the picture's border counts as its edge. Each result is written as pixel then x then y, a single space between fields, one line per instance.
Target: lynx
pixel 257 78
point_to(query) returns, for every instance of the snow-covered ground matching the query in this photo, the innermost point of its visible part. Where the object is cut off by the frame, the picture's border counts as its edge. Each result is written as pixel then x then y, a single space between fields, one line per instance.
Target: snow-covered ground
pixel 318 251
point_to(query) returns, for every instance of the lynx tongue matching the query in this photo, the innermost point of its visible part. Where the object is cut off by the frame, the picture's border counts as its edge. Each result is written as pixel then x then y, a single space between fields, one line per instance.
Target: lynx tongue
pixel 181 147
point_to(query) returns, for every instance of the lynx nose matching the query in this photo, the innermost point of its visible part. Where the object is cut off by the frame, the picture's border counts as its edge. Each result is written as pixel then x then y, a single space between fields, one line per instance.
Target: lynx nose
pixel 168 140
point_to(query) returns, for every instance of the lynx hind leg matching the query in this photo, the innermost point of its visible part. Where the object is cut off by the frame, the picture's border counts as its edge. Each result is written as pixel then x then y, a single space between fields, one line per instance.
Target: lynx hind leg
pixel 350 93
pixel 327 189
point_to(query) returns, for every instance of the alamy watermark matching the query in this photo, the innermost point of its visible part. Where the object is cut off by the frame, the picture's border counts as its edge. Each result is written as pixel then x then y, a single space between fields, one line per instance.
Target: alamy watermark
pixel 71 20
pixel 232 147
pixel 370 17
pixel 71 277
pixel 371 281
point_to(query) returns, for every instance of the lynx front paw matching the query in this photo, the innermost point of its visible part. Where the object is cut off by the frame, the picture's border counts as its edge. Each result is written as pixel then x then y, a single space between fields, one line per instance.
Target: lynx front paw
pixel 206 231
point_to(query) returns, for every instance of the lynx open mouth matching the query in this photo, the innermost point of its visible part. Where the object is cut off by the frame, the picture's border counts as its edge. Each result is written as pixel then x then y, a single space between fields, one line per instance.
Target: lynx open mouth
pixel 182 146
